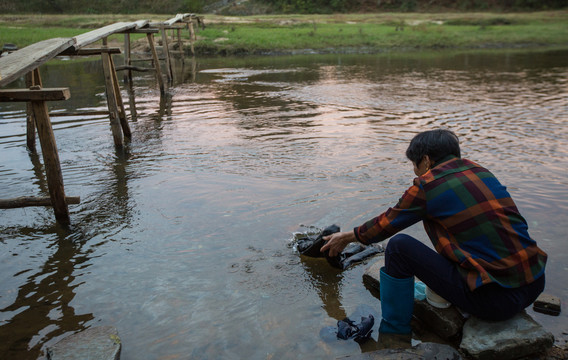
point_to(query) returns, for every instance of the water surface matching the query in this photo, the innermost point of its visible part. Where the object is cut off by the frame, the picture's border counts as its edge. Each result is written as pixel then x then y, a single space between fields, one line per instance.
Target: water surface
pixel 182 241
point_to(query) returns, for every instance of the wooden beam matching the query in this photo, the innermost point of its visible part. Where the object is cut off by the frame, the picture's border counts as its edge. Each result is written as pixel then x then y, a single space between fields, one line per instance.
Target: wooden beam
pixel 46 94
pixel 142 31
pixel 19 63
pixel 147 59
pixel 79 113
pixel 90 51
pixel 26 201
pixel 133 68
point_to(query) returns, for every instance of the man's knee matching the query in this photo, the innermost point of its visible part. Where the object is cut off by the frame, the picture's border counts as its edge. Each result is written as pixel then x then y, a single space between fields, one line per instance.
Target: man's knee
pixel 399 243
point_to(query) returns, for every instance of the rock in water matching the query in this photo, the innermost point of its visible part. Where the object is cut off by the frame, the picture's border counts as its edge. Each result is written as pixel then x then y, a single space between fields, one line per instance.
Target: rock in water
pixel 505 340
pixel 98 343
pixel 423 351
pixel 547 304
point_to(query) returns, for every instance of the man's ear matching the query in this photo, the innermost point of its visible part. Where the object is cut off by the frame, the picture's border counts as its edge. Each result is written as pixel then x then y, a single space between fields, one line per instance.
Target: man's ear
pixel 428 162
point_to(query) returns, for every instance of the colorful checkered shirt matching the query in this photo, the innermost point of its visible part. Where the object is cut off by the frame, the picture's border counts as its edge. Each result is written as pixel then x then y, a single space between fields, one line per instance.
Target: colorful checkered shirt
pixel 470 219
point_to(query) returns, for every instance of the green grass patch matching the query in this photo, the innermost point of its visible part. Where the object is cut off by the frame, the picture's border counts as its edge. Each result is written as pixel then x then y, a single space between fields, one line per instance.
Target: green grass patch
pixel 286 33
pixel 24 35
pixel 236 38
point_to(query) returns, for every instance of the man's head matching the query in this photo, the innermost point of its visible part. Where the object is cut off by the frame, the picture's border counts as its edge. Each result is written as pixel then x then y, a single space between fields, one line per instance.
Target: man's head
pixel 429 147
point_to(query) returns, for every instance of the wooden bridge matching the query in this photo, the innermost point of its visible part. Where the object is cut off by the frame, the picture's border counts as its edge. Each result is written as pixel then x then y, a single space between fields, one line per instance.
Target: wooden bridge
pixel 26 63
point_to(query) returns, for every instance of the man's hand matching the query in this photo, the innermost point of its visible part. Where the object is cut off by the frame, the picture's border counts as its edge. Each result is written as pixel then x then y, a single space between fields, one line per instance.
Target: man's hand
pixel 337 242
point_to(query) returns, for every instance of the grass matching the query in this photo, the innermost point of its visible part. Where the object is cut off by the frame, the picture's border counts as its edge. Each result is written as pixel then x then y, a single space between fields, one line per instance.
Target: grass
pixel 325 33
pixel 385 31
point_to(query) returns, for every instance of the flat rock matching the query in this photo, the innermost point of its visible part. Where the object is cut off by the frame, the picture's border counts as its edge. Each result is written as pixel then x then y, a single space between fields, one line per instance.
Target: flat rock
pixel 98 343
pixel 547 304
pixel 423 351
pixel 371 276
pixel 505 340
pixel 446 323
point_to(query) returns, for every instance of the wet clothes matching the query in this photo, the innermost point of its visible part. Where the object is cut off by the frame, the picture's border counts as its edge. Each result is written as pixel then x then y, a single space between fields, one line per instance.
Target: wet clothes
pixel 353 253
pixel 471 220
pixel 348 329
pixel 311 246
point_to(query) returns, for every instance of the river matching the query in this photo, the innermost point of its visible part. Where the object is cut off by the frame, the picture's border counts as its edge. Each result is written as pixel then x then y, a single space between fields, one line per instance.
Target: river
pixel 182 241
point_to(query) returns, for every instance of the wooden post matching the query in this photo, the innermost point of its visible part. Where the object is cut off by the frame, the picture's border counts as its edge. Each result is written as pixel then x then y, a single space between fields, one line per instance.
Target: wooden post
pixel 33 78
pixel 156 61
pixel 111 99
pixel 166 52
pixel 51 162
pixel 30 121
pixel 192 36
pixel 180 44
pixel 132 101
pixel 120 105
pixel 127 58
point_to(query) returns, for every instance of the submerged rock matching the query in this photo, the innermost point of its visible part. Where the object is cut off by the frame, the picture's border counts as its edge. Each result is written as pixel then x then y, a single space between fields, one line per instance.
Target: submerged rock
pixel 98 343
pixel 505 340
pixel 423 351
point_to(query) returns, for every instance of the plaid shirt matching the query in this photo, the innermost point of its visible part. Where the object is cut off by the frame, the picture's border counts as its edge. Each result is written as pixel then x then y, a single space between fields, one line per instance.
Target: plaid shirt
pixel 471 220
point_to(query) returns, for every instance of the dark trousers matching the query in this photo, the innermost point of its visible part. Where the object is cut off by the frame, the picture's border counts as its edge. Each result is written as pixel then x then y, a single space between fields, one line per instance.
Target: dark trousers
pixel 406 257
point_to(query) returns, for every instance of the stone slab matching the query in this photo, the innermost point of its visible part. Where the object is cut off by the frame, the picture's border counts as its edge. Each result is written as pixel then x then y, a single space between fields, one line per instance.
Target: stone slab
pixel 423 351
pixel 547 304
pixel 371 276
pixel 98 343
pixel 505 340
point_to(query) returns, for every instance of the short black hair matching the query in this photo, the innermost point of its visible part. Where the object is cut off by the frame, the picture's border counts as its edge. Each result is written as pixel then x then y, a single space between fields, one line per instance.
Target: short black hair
pixel 437 144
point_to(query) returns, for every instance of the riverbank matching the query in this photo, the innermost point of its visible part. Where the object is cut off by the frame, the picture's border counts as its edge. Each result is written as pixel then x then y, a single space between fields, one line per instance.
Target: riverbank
pixel 300 34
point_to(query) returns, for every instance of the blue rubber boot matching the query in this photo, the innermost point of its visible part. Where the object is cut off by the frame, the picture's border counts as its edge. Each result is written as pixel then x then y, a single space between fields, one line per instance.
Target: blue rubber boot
pixel 397 304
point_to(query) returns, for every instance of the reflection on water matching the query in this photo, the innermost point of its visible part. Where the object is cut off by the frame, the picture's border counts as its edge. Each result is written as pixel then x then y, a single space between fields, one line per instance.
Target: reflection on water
pixel 182 240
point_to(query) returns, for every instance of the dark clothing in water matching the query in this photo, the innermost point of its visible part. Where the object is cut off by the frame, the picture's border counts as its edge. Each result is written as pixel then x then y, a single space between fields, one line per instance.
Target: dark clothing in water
pixel 347 329
pixel 311 246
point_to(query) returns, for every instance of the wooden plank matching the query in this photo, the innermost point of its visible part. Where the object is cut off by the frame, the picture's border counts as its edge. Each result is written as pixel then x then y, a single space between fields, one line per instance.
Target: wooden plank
pixel 19 63
pixel 25 201
pixel 45 94
pixel 177 18
pixel 98 34
pixel 142 23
